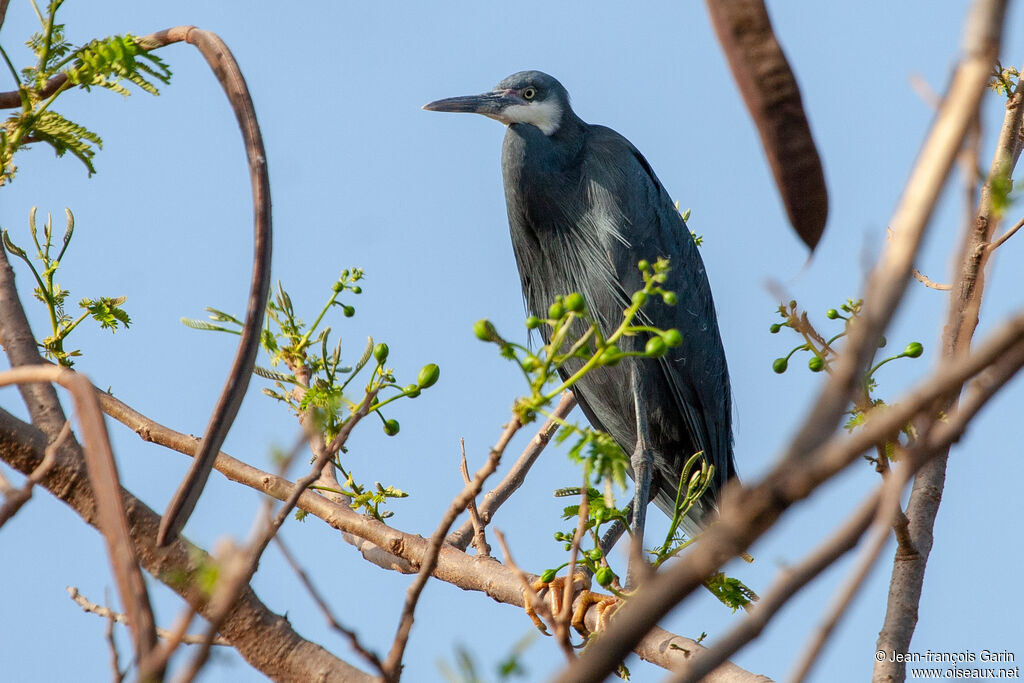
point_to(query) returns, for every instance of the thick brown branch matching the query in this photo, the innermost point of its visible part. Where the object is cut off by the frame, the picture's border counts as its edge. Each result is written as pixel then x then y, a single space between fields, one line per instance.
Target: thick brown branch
pixel 266 640
pixel 105 484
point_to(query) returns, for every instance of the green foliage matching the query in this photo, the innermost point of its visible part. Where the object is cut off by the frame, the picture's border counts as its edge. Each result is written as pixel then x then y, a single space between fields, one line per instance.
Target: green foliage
pixel 314 381
pixel 107 63
pixel 586 351
pixel 1004 80
pixel 823 352
pixel 731 592
pixel 107 311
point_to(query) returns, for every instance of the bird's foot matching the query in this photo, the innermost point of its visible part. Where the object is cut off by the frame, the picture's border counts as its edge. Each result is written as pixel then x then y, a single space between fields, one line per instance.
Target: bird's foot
pixel 604 604
pixel 555 600
pixel 555 594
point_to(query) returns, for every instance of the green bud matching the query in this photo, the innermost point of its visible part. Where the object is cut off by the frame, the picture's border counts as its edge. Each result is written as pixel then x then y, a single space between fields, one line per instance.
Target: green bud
pixel 643 265
pixel 774 329
pixel 338 287
pixel 531 363
pixel 568 547
pixel 574 302
pixel 639 298
pixel 913 350
pixel 556 310
pixel 412 391
pixel 357 290
pixel 604 576
pixel 601 516
pixel 484 330
pixel 428 375
pixel 391 427
pixel 380 353
pixel 559 536
pixel 348 311
pixel 816 364
pixel 882 342
pixel 832 314
pixel 611 356
pixel 548 576
pixel 533 322
pixel 672 338
pixel 596 554
pixel 670 298
pixel 779 365
pixel 656 347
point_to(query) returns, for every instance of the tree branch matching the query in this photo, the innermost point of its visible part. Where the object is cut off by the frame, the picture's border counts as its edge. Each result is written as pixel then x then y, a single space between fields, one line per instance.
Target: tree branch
pixel 264 639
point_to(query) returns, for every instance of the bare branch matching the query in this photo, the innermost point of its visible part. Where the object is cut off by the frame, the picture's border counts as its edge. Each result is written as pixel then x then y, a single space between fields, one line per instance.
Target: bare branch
pixel 228 73
pixel 746 514
pixel 907 579
pixel 1005 236
pixel 106 485
pixel 353 639
pixel 517 473
pixel 393 662
pixel 928 282
pixel 242 564
pixel 117 617
pixel 498 582
pixel 274 648
pixel 479 539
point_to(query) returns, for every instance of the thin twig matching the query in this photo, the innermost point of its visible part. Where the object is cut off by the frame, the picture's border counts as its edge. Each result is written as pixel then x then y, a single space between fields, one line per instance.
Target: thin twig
pixel 353 639
pixel 243 564
pixel 479 539
pixel 517 473
pixel 928 282
pixel 118 617
pixel 1005 236
pixel 115 665
pixel 886 515
pixel 530 596
pixel 393 662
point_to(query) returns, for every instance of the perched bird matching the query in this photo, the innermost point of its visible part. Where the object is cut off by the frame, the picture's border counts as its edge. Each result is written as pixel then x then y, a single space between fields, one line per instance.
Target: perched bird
pixel 584 208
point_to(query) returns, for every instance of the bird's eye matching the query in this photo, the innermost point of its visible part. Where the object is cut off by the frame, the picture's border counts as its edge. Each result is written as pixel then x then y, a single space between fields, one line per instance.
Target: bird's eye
pixel 529 93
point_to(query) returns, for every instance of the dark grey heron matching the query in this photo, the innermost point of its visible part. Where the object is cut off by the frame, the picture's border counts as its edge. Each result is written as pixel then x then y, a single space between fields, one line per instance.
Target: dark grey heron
pixel 584 208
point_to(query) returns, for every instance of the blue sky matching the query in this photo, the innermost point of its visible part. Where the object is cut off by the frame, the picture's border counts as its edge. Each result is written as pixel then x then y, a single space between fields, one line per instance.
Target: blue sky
pixel 362 177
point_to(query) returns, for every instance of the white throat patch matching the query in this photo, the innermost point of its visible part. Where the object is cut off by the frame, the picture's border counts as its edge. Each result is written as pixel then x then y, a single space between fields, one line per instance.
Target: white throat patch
pixel 546 115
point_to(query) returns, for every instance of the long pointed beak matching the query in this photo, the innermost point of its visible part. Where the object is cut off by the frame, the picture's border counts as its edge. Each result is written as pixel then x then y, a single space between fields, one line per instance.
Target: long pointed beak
pixel 490 104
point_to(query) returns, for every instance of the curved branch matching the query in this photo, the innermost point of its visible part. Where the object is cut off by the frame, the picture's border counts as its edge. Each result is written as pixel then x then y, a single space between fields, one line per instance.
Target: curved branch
pixel 225 68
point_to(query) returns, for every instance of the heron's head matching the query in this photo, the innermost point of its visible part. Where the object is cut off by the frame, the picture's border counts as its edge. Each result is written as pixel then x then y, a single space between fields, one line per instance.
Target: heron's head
pixel 530 97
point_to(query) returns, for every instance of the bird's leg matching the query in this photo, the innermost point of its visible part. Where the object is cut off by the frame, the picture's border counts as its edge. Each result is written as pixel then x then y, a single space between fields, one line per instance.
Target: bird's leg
pixel 642 462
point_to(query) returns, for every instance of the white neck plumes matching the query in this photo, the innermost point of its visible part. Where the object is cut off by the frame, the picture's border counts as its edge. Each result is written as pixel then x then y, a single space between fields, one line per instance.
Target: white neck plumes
pixel 546 115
